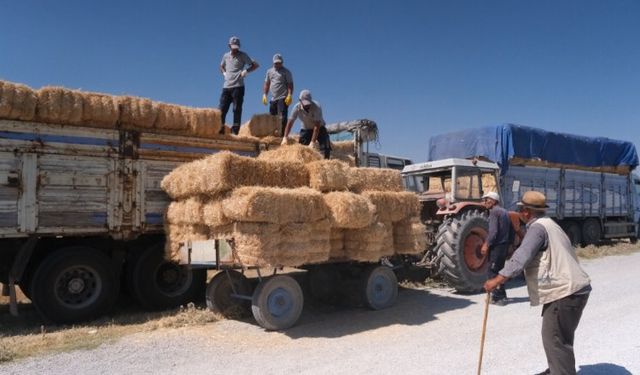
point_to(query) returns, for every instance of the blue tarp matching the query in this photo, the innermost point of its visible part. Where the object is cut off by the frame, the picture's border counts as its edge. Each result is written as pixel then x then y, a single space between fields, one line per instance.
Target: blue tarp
pixel 503 142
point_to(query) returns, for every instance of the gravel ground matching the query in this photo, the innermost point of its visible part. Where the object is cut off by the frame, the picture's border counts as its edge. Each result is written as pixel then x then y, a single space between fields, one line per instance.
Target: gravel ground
pixel 427 332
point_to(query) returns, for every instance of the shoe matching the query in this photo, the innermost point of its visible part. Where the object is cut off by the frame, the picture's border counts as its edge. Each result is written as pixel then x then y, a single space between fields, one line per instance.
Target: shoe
pixel 499 302
pixel 545 372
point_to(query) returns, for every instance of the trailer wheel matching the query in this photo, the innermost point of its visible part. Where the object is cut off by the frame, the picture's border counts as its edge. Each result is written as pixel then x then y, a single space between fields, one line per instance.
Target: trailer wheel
pixel 159 284
pixel 277 302
pixel 591 231
pixel 219 293
pixel 74 284
pixel 572 229
pixel 379 287
pixel 458 251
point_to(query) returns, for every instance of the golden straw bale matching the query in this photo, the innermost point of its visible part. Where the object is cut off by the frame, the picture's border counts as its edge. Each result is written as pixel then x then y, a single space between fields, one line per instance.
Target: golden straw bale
pixel 261 125
pixel 343 147
pixel 172 117
pixel 137 113
pixel 380 179
pixel 58 105
pixel 271 140
pixel 205 122
pixel 221 232
pixel 369 244
pixel 336 237
pixel 409 236
pixel 350 160
pixel 394 206
pixel 257 244
pixel 274 205
pixel 17 102
pixel 100 110
pixel 180 234
pixel 296 152
pixel 304 243
pixel 213 214
pixel 328 175
pixel 349 210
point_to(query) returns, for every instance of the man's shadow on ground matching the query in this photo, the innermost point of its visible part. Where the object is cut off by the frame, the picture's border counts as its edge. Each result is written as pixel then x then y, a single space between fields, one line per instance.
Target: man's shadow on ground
pixel 603 369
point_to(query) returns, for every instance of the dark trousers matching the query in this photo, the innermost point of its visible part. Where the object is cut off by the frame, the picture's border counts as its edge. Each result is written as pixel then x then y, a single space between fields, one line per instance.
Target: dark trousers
pixel 323 140
pixel 497 257
pixel 233 95
pixel 278 107
pixel 559 322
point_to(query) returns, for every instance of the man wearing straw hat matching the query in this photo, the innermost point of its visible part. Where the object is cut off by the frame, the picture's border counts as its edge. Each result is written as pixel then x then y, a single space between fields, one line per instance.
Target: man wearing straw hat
pixel 280 82
pixel 554 279
pixel 235 65
pixel 313 126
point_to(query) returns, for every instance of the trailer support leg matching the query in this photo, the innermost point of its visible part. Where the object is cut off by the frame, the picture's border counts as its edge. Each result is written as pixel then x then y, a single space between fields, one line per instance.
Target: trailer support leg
pixel 17 270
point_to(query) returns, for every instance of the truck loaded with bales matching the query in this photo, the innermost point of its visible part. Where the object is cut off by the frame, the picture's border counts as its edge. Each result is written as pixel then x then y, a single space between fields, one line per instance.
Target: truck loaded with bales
pixel 84 214
pixel 590 189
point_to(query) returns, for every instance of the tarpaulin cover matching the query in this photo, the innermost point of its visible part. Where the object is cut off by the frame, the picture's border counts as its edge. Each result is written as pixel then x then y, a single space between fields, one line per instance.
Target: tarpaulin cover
pixel 503 142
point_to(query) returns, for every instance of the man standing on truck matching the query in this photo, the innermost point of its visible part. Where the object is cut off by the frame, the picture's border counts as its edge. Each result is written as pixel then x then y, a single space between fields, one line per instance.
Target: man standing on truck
pixel 497 243
pixel 554 279
pixel 280 81
pixel 313 125
pixel 235 66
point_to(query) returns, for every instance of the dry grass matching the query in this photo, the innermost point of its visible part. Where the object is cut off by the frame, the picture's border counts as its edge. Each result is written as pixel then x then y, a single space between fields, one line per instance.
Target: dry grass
pixel 612 248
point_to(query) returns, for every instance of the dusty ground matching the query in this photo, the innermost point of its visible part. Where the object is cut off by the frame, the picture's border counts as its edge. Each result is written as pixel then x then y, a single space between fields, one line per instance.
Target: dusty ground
pixel 428 332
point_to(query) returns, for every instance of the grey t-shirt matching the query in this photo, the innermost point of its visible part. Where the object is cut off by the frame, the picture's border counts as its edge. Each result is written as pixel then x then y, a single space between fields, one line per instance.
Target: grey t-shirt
pixel 233 66
pixel 279 80
pixel 308 119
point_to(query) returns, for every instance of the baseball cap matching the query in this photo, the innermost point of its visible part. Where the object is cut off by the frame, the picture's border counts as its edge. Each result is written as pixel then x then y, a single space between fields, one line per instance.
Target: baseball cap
pixel 305 97
pixel 492 195
pixel 277 58
pixel 234 42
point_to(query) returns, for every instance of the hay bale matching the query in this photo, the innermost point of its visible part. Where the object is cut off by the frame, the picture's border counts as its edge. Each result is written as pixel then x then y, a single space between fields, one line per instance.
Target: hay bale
pixel 57 105
pixel 137 113
pixel 225 171
pixel 336 239
pixel 213 214
pixel 343 148
pixel 172 117
pixel 369 244
pixel 304 243
pixel 380 179
pixel 328 175
pixel 350 160
pixel 261 125
pixel 100 110
pixel 274 205
pixel 394 206
pixel 17 102
pixel 205 122
pixel 296 152
pixel 349 210
pixel 256 244
pixel 186 212
pixel 176 235
pixel 409 237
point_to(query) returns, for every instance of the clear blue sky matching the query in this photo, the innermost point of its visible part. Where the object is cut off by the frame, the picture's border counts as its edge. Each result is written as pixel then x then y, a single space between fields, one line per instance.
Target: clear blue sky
pixel 417 68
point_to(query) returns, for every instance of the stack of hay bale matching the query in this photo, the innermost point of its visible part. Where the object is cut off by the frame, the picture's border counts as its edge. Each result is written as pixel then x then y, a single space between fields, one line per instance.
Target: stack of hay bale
pixel 289 207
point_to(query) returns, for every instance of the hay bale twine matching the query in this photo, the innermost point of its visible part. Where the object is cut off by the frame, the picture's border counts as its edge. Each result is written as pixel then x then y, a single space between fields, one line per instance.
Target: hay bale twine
pixel 17 102
pixel 380 179
pixel 137 113
pixel 261 125
pixel 349 210
pixel 57 105
pixel 295 152
pixel 205 122
pixel 100 110
pixel 328 175
pixel 394 206
pixel 172 117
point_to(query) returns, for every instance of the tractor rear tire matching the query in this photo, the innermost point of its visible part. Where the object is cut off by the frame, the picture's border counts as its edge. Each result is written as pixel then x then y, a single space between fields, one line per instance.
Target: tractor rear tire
pixel 458 251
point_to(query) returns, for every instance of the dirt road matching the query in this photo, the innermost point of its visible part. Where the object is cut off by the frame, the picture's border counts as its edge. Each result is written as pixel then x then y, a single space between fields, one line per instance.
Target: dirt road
pixel 427 332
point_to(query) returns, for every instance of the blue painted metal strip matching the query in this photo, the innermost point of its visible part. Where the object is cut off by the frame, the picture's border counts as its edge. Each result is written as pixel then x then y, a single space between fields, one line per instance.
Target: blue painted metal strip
pixel 154 218
pixel 55 138
pixel 199 150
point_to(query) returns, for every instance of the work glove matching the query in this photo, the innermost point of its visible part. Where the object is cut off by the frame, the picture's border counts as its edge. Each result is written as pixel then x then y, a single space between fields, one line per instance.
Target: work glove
pixel 243 73
pixel 284 141
pixel 264 99
pixel 287 100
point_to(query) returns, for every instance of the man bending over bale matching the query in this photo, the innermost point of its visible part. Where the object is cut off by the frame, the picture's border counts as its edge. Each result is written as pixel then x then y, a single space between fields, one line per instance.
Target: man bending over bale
pixel 235 65
pixel 313 126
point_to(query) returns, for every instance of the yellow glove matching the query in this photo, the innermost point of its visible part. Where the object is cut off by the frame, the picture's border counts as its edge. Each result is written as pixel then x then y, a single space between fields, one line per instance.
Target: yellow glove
pixel 264 99
pixel 287 100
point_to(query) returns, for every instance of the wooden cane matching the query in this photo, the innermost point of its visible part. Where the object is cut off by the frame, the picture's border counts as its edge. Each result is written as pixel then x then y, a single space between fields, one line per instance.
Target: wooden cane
pixel 484 330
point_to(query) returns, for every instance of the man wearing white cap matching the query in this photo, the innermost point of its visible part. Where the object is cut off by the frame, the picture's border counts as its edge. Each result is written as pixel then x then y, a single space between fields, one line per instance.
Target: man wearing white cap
pixel 280 81
pixel 496 245
pixel 235 65
pixel 313 126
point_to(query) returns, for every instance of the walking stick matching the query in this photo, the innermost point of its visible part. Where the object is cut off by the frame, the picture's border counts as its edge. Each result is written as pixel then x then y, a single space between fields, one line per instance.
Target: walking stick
pixel 484 330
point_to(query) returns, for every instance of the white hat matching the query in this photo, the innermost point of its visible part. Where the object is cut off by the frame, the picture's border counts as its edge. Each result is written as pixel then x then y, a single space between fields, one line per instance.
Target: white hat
pixel 234 42
pixel 305 97
pixel 277 58
pixel 492 195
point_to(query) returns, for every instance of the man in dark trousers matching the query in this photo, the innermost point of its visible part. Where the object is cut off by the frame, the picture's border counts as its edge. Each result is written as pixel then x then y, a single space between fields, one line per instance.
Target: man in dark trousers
pixel 554 279
pixel 235 65
pixel 498 240
pixel 313 126
pixel 280 82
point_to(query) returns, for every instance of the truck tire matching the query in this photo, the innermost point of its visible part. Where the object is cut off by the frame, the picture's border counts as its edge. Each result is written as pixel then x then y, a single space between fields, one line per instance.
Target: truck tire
pixel 74 284
pixel 159 284
pixel 458 251
pixel 572 229
pixel 591 231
